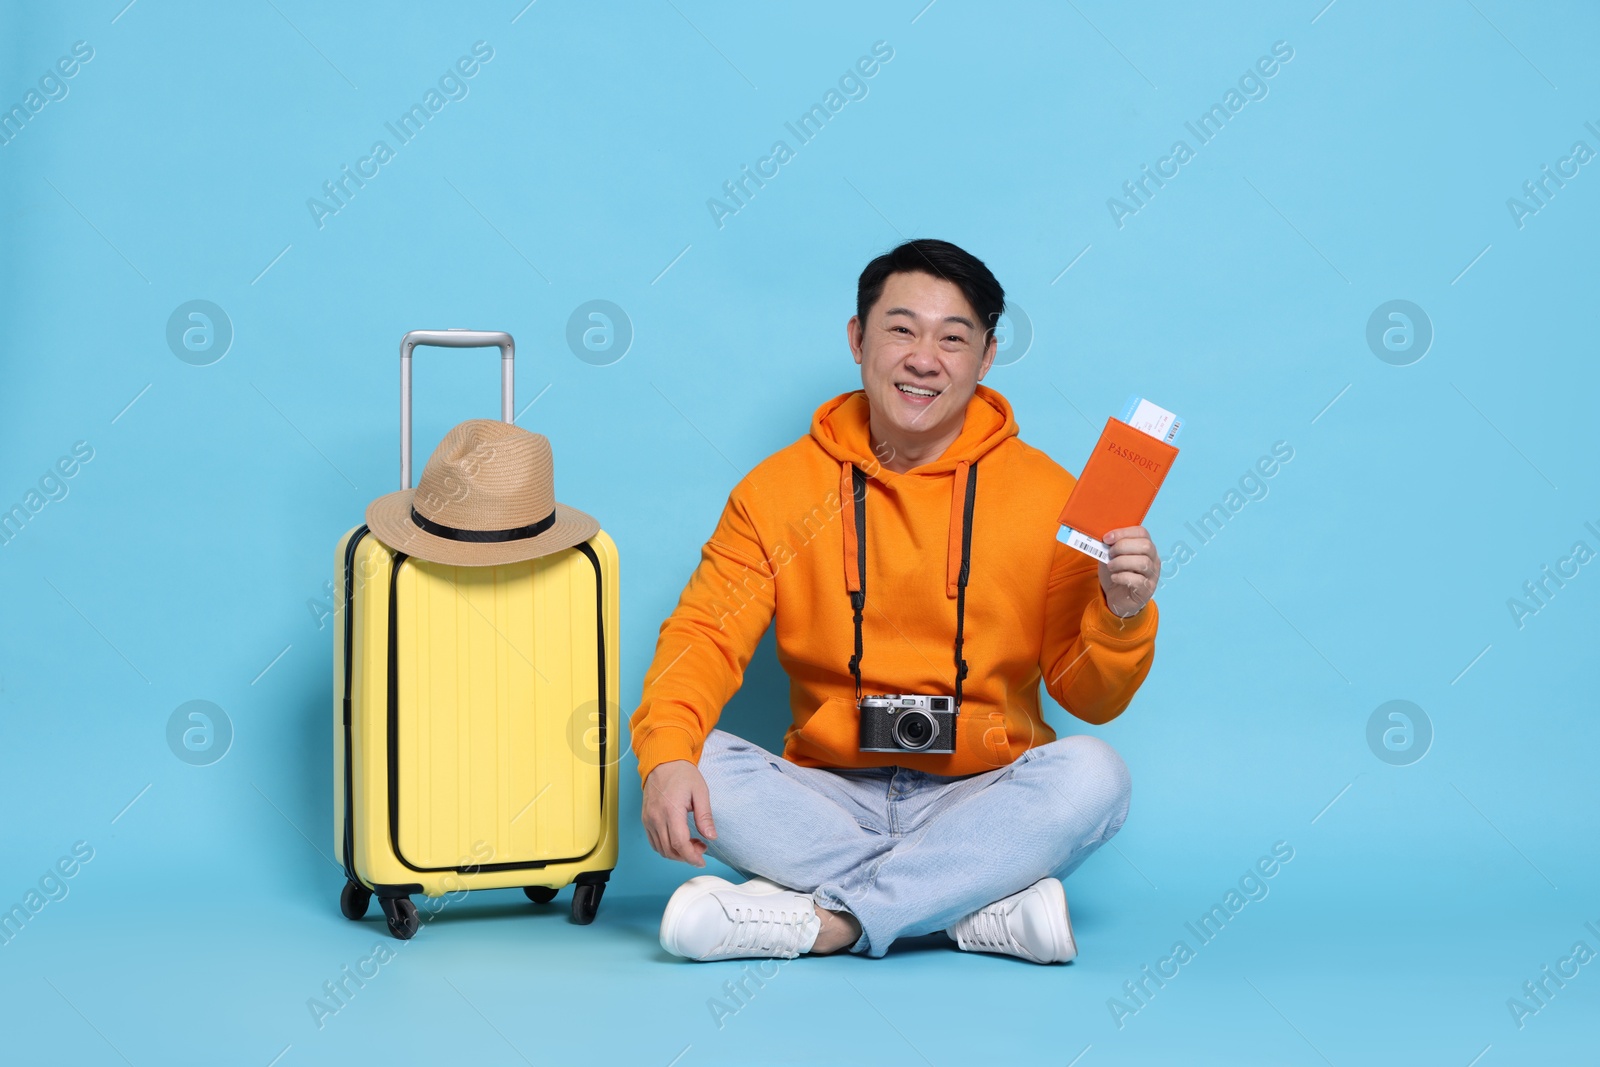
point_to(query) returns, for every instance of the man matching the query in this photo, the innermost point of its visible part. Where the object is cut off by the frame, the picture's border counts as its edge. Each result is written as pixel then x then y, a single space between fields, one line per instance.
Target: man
pixel 955 586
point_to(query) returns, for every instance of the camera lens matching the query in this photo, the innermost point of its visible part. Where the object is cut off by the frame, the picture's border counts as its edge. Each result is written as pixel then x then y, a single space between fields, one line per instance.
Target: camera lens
pixel 914 729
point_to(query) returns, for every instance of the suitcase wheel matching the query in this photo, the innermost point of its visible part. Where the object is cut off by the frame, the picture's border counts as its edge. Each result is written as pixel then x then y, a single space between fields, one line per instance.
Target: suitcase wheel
pixel 539 894
pixel 586 901
pixel 353 900
pixel 402 916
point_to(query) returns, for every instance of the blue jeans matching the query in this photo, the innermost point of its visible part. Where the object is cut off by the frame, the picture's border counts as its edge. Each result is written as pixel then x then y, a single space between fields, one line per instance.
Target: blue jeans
pixel 904 851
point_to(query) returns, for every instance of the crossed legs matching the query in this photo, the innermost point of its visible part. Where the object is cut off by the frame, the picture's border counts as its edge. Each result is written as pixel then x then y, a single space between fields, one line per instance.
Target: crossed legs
pixel 887 853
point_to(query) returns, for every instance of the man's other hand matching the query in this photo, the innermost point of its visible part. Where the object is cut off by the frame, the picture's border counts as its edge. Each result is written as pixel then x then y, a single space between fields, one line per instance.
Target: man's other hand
pixel 672 790
pixel 1129 580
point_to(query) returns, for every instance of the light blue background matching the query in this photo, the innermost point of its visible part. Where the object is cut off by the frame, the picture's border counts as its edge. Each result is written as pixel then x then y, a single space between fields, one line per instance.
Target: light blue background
pixel 1419 499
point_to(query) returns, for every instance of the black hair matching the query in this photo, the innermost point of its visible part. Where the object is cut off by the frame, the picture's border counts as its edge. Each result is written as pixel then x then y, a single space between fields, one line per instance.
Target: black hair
pixel 940 259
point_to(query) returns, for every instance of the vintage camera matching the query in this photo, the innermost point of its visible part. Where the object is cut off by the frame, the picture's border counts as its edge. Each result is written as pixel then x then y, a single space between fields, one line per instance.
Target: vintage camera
pixel 907 722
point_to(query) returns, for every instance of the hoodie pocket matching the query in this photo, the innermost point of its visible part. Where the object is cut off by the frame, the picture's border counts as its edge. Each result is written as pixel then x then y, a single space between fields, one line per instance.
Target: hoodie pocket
pixel 831 735
pixel 984 740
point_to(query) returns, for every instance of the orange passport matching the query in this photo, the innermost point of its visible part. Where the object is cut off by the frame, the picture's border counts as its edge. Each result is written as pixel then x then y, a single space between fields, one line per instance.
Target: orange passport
pixel 1119 482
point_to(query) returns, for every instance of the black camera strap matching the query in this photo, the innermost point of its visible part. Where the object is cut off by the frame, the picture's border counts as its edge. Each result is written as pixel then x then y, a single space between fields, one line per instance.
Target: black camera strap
pixel 858 599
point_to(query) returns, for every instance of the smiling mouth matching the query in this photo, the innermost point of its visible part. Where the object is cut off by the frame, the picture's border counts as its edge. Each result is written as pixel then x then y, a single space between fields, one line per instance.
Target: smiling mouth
pixel 916 391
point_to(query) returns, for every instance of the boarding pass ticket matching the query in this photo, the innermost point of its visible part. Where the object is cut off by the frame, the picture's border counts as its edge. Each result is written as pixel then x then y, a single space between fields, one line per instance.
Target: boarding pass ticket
pixel 1084 543
pixel 1158 422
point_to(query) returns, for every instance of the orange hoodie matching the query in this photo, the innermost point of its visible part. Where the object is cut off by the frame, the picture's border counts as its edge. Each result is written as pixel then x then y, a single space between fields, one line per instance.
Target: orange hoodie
pixel 785 548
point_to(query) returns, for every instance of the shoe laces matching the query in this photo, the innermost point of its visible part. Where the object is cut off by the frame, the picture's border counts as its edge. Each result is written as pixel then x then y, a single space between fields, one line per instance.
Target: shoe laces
pixel 987 928
pixel 764 929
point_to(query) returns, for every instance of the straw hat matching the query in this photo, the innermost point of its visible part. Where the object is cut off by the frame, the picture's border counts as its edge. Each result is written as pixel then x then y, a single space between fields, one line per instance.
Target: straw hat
pixel 486 497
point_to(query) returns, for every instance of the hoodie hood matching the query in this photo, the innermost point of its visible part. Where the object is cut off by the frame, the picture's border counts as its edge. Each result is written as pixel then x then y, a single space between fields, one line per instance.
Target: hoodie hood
pixel 841 426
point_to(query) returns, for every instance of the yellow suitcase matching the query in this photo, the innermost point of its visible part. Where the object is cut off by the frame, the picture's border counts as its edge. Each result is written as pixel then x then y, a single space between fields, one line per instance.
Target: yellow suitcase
pixel 476 720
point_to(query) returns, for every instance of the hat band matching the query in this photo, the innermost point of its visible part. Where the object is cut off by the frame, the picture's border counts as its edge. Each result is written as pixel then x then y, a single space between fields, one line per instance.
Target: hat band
pixel 517 533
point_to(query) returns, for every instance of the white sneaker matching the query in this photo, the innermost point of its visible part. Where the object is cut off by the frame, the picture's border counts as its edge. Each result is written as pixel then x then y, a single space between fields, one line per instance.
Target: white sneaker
pixel 758 884
pixel 710 918
pixel 1032 924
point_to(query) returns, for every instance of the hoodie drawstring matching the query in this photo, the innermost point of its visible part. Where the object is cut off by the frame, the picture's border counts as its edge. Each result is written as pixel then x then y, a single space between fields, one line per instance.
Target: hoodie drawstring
pixel 852 581
pixel 953 544
pixel 852 578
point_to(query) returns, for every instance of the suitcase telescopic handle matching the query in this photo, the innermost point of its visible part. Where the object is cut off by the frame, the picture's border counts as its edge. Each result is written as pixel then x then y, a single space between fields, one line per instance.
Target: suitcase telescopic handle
pixel 449 339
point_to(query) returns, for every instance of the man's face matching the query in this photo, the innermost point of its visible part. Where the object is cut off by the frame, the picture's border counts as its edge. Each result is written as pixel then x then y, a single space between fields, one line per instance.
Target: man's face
pixel 920 338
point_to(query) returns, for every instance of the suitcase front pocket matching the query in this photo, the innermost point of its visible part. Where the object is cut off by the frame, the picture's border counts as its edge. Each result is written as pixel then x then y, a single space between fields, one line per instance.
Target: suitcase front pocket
pixel 488 668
